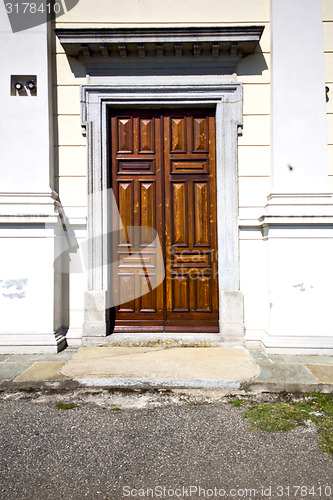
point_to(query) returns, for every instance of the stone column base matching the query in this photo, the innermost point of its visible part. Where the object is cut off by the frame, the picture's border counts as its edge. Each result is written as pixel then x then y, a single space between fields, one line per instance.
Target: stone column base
pixel 232 329
pixel 95 325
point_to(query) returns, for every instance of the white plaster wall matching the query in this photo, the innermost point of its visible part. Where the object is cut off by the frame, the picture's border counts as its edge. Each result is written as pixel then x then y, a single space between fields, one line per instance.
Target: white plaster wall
pixel 24 132
pixel 30 259
pixel 253 282
pixel 30 290
pixel 298 94
pixel 327 6
pixel 300 282
pixel 76 290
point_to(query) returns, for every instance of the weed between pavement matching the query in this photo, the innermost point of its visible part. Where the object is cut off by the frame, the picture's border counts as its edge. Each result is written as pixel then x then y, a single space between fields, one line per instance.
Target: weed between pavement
pixel 286 415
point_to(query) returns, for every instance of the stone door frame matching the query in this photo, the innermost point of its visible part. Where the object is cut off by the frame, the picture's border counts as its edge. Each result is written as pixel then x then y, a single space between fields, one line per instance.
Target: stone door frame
pixel 227 99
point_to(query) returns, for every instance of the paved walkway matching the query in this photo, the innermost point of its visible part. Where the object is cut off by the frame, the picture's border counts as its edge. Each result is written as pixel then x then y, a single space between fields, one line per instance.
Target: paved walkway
pixel 232 369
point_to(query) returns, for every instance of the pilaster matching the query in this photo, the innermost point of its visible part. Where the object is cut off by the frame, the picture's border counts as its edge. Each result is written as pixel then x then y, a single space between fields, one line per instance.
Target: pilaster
pixel 297 223
pixel 33 318
pixel 299 129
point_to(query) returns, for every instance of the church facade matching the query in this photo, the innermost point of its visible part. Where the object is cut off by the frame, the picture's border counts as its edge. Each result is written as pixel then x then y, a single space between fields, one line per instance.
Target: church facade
pixel 167 174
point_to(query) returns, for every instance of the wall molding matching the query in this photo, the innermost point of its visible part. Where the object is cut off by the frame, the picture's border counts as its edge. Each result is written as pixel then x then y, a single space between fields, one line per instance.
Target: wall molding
pixel 159 41
pixel 201 49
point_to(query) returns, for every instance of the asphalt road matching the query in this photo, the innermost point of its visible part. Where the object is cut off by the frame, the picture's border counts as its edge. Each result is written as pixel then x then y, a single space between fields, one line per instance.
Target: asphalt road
pixel 173 451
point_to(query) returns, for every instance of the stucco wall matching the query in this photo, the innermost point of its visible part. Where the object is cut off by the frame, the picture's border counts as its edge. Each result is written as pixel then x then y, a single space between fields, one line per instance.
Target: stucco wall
pixel 327 6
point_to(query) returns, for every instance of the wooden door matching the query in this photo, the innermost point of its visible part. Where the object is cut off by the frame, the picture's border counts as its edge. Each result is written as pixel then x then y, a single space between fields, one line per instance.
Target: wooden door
pixel 163 176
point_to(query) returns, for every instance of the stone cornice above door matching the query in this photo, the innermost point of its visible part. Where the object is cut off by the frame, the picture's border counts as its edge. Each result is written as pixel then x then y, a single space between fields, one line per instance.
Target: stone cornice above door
pixel 178 48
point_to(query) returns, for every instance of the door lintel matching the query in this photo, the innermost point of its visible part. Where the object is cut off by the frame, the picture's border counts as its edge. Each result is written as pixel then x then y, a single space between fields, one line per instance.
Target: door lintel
pixel 103 51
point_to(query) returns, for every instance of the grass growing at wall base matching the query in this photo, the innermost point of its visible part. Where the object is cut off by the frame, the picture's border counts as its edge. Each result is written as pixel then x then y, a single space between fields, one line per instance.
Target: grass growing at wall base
pixel 286 415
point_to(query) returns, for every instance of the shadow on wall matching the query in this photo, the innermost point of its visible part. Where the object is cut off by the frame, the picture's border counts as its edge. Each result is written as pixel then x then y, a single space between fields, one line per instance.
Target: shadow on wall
pixel 253 64
pixel 77 67
pixel 54 164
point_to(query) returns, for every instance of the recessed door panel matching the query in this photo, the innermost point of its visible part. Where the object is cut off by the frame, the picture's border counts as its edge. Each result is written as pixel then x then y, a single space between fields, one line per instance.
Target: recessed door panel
pixel 146 135
pixel 178 210
pixel 125 134
pixel 201 213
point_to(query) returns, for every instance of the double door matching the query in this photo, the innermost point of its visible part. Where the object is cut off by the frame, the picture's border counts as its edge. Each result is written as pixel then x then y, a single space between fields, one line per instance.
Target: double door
pixel 162 172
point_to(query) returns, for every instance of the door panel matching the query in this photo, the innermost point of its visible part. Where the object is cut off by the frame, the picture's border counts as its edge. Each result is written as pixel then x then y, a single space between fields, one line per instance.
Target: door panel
pixel 137 186
pixel 163 176
pixel 190 222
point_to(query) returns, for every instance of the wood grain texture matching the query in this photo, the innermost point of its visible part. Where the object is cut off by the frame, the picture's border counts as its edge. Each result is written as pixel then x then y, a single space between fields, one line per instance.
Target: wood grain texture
pixel 177 127
pixel 201 221
pixel 125 135
pixel 146 134
pixel 200 134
